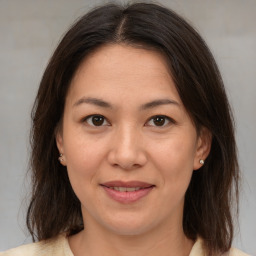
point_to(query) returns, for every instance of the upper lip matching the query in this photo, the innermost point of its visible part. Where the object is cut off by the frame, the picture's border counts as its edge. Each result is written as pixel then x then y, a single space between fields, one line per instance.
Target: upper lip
pixel 127 184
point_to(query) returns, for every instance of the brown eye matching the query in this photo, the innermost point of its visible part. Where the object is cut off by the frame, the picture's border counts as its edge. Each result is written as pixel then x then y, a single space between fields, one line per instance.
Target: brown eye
pixel 159 121
pixel 96 120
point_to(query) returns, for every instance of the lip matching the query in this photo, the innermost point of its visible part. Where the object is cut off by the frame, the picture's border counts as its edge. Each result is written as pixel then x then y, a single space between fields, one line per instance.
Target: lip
pixel 127 184
pixel 127 197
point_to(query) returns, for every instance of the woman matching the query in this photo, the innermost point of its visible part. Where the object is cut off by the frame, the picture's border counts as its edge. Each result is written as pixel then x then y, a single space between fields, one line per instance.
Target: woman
pixel 133 149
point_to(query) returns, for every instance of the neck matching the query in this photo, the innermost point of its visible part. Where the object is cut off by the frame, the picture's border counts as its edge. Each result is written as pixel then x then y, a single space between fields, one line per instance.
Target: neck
pixel 162 242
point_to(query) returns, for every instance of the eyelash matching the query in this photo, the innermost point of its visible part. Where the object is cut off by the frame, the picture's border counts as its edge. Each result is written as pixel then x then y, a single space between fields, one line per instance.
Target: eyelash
pixel 167 120
pixel 87 118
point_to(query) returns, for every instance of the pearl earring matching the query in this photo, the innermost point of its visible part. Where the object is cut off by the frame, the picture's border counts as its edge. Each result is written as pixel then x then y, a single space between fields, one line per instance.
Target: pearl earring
pixel 60 157
pixel 201 161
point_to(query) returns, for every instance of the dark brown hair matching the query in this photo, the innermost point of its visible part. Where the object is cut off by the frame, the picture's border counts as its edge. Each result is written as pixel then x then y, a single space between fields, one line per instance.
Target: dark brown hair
pixel 54 208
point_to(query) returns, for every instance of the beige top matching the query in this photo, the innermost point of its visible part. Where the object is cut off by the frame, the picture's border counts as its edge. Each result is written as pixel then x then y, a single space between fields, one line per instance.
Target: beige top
pixel 60 247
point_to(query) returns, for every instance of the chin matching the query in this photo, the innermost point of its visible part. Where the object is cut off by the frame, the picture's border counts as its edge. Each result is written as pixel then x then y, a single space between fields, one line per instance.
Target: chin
pixel 128 226
pixel 129 230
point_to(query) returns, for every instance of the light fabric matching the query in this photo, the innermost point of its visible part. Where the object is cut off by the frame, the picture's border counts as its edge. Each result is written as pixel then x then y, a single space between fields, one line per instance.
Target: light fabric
pixel 60 247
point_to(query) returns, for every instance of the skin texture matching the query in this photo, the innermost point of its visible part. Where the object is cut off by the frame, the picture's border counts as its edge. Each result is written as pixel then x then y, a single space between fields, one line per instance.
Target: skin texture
pixel 129 145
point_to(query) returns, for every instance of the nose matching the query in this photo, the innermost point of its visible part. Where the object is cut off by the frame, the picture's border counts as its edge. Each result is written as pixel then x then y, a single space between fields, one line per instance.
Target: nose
pixel 127 150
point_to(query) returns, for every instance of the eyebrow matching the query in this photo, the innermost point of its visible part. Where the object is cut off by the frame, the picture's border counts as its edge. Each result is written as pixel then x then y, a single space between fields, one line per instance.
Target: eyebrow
pixel 159 102
pixel 104 104
pixel 93 101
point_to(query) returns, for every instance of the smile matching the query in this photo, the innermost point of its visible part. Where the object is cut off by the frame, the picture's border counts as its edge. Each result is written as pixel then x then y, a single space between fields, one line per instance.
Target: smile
pixel 124 189
pixel 127 192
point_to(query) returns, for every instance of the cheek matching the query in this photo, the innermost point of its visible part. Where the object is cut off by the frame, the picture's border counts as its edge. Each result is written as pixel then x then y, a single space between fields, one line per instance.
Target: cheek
pixel 176 152
pixel 83 163
pixel 83 158
pixel 175 158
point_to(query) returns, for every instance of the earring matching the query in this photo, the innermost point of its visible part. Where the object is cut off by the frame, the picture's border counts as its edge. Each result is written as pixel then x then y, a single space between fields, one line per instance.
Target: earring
pixel 60 157
pixel 201 161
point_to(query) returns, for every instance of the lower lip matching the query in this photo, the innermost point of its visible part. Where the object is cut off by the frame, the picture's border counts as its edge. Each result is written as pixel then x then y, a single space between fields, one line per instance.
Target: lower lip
pixel 129 196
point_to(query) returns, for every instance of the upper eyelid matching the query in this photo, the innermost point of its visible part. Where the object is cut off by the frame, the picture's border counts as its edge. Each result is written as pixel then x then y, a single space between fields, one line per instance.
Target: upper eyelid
pixel 170 120
pixel 164 116
pixel 89 116
pixel 150 118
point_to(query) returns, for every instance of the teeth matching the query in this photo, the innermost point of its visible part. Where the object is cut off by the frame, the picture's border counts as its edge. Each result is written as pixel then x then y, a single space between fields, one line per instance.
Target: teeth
pixel 121 189
pixel 124 189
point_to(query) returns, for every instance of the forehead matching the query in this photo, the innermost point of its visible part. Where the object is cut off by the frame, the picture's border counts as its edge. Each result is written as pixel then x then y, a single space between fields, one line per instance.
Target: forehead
pixel 124 68
pixel 124 59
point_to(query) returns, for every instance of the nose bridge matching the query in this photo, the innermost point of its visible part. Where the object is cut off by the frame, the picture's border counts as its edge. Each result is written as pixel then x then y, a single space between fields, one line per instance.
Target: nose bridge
pixel 126 144
pixel 127 136
pixel 127 149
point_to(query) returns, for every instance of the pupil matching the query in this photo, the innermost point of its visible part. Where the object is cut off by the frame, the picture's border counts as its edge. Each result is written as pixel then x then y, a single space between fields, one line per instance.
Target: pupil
pixel 159 121
pixel 97 120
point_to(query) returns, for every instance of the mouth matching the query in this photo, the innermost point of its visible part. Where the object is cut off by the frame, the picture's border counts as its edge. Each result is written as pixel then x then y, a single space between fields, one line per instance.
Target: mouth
pixel 127 192
pixel 125 189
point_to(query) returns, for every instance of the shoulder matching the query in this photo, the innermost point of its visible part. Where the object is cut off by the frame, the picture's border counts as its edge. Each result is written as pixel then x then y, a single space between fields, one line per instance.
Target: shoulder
pixel 57 246
pixel 236 252
pixel 198 250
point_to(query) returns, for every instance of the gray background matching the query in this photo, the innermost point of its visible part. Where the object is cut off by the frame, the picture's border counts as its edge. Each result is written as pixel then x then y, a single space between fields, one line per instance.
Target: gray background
pixel 29 32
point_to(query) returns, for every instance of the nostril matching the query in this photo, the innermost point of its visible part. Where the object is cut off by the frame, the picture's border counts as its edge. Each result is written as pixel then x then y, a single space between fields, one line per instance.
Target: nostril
pixel 127 166
pixel 127 155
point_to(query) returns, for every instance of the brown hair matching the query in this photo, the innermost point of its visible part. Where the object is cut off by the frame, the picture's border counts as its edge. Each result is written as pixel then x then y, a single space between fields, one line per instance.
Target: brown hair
pixel 54 208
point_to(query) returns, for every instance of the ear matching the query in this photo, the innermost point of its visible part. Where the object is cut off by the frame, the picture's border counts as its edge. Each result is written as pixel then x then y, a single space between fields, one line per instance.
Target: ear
pixel 60 146
pixel 204 143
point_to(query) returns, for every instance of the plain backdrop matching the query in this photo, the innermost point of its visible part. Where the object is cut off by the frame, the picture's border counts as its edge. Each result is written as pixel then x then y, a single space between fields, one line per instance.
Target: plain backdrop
pixel 29 32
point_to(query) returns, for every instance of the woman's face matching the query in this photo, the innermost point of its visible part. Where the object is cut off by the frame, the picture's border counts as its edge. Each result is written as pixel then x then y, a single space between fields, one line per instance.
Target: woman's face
pixel 128 143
